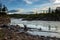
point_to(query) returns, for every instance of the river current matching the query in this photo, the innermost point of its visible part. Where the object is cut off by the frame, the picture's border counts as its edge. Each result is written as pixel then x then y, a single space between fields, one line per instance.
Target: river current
pixel 55 26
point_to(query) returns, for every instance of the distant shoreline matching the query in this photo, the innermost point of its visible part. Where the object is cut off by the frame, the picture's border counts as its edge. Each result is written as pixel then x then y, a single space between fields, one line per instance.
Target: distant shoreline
pixel 42 16
pixel 24 19
pixel 37 20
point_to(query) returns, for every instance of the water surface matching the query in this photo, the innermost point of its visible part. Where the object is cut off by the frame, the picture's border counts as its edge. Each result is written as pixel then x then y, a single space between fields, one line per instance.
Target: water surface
pixel 55 26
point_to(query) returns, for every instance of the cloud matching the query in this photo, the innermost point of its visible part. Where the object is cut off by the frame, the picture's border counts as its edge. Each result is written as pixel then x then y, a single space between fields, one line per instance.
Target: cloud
pixel 30 1
pixel 20 10
pixel 45 7
pixel 57 1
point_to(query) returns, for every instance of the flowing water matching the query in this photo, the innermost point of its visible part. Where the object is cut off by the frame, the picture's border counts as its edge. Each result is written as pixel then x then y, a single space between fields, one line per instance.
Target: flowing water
pixel 44 25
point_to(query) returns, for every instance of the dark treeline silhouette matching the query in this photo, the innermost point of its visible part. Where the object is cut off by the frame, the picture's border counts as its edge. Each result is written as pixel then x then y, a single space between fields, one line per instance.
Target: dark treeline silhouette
pixel 3 9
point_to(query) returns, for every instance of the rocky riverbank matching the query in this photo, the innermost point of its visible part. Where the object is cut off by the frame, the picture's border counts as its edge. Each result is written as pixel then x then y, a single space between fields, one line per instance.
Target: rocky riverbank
pixel 12 33
pixel 4 20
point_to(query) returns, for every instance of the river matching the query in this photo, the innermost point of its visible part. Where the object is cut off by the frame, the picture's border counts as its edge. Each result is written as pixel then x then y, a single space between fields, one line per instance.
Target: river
pixel 44 25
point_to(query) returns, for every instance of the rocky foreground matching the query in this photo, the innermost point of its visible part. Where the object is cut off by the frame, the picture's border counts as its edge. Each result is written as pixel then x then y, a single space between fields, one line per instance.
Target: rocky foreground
pixel 12 33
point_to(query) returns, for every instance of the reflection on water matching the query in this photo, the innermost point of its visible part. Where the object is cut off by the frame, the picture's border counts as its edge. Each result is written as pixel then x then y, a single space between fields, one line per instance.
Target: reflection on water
pixel 54 26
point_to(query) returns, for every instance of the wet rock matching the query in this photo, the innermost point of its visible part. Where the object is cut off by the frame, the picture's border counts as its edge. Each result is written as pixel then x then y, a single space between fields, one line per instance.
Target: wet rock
pixel 25 28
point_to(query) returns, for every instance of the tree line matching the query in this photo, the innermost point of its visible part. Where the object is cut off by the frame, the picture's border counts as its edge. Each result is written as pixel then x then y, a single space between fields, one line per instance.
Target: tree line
pixel 52 15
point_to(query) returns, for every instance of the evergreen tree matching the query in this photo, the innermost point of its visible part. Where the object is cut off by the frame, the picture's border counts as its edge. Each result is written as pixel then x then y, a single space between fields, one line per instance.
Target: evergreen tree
pixel 49 10
pixel 0 7
pixel 4 8
pixel 53 11
pixel 57 10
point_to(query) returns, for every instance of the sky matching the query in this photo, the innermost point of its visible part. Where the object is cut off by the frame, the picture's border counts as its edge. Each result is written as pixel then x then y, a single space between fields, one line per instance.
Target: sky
pixel 27 5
